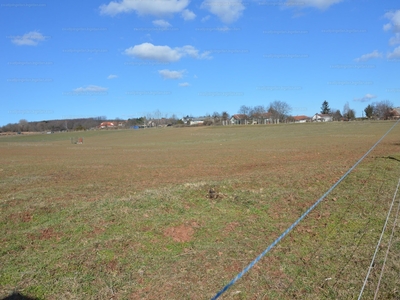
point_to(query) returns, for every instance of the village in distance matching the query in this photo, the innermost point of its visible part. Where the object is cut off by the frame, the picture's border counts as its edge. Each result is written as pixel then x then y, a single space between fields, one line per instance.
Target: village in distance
pixel 275 113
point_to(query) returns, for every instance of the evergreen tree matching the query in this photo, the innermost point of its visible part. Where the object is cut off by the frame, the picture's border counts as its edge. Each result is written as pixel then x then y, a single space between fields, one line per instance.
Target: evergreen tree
pixel 325 108
pixel 369 111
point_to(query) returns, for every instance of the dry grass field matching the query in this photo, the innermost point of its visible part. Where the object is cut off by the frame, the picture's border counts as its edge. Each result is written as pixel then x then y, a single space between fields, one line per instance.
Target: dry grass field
pixel 128 214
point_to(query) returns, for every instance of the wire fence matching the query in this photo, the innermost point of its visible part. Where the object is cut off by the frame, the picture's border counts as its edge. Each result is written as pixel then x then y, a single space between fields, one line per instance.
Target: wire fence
pixel 291 227
pixel 378 245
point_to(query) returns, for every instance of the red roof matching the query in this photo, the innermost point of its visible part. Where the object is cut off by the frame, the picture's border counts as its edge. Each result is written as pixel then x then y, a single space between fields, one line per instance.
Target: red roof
pixel 265 115
pixel 239 116
pixel 299 118
pixel 108 124
pixel 395 112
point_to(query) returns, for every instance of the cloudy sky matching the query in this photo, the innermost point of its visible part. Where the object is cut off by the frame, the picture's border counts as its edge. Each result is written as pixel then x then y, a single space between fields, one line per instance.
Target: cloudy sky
pixel 130 58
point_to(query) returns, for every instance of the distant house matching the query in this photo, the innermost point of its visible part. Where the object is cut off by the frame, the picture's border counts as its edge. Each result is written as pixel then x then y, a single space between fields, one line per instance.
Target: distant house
pixel 262 118
pixel 151 123
pixel 193 121
pixel 301 119
pixel 106 125
pixel 322 118
pixel 196 121
pixel 239 119
pixel 395 113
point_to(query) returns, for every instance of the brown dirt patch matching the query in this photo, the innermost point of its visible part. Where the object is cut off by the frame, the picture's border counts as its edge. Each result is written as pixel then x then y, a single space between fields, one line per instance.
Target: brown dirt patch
pixel 230 227
pixel 21 217
pixel 112 265
pixel 181 233
pixel 95 232
pixel 233 267
pixel 26 217
pixel 48 234
pixel 45 234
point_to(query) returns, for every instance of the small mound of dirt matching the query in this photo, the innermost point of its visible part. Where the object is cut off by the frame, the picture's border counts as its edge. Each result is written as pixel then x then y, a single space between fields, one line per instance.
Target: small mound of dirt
pixel 26 217
pixel 213 194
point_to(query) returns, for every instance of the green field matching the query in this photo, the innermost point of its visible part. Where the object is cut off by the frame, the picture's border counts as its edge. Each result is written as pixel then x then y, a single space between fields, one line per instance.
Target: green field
pixel 128 214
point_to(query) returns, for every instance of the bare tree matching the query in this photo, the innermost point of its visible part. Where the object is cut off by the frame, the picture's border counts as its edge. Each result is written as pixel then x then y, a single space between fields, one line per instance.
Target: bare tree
pixel 348 113
pixel 336 114
pixel 383 109
pixel 257 111
pixel 216 117
pixel 23 125
pixel 157 116
pixel 346 109
pixel 280 110
pixel 245 110
pixel 224 115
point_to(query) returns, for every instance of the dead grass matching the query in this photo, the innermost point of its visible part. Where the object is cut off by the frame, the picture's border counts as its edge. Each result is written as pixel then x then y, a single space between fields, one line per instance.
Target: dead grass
pixel 127 215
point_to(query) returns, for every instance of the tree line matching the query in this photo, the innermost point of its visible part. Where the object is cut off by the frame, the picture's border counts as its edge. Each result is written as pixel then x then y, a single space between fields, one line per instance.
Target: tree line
pixel 382 110
pixel 278 110
pixel 53 125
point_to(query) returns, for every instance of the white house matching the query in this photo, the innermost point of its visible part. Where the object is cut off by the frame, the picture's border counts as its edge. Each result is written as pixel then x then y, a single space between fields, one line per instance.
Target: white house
pixel 322 118
pixel 301 119
pixel 193 121
pixel 262 118
pixel 239 119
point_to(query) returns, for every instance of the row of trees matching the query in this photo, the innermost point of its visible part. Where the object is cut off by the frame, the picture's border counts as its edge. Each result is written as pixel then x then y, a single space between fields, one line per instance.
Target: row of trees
pixel 378 110
pixel 382 110
pixel 279 110
pixel 347 112
pixel 53 125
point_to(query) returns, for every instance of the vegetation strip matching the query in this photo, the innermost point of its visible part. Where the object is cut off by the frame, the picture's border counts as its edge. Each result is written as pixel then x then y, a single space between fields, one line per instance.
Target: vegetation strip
pixel 251 265
pixel 387 251
pixel 379 242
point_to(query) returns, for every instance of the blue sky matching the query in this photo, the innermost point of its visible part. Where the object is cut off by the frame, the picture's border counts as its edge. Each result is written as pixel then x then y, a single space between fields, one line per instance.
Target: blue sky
pixel 131 58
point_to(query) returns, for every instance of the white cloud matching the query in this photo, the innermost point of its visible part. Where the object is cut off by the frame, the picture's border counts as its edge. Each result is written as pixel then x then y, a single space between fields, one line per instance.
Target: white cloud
pixel 224 29
pixel 144 7
pixel 188 15
pixel 366 98
pixel 206 18
pixel 168 74
pixel 387 26
pixel 164 53
pixel 161 23
pixel 395 40
pixel 227 11
pixel 29 39
pixel 112 76
pixel 368 56
pixel 90 89
pixel 193 52
pixel 395 54
pixel 184 84
pixel 320 4
pixel 394 18
pixel 150 51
